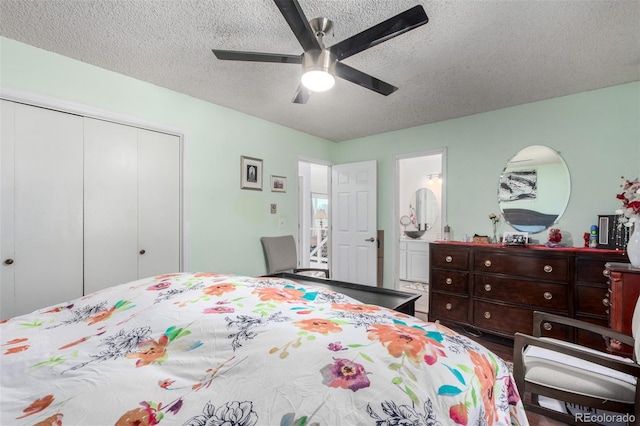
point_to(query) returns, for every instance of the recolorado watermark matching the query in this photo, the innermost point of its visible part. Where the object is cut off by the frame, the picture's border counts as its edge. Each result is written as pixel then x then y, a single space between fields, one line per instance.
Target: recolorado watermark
pixel 604 418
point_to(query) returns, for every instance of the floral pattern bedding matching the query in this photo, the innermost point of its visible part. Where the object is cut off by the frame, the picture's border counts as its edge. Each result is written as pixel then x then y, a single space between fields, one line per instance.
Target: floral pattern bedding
pixel 210 349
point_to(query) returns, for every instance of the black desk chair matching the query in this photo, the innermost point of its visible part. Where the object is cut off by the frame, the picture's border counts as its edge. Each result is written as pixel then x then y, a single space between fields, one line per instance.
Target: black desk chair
pixel 281 256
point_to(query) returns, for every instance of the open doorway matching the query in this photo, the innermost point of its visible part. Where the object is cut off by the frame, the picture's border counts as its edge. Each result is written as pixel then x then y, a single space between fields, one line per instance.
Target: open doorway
pixel 420 216
pixel 314 217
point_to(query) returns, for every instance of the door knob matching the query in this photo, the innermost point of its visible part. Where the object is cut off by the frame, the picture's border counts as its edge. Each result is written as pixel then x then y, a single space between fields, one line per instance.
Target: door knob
pixel 370 239
pixel 8 261
pixel 142 251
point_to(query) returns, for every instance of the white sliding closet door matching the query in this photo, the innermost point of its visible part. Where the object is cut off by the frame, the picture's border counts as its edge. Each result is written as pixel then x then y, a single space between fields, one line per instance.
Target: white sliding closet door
pixel 132 204
pixel 111 204
pixel 158 203
pixel 41 208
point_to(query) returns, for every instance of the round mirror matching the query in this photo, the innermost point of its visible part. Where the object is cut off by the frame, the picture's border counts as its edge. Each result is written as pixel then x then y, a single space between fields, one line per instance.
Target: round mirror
pixel 423 209
pixel 534 189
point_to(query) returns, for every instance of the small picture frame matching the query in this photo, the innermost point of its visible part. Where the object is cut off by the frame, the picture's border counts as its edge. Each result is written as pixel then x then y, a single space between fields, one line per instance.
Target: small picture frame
pixel 278 184
pixel 515 238
pixel 250 173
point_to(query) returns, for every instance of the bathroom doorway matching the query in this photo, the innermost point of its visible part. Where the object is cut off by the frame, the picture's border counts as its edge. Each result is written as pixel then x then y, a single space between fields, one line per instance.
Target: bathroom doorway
pixel 420 218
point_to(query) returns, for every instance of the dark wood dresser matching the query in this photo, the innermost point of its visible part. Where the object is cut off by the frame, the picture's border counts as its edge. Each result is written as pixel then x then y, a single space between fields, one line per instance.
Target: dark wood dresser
pixel 495 289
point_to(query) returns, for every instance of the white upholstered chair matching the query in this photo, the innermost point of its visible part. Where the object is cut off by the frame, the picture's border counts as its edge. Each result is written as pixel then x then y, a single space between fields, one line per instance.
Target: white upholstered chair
pixel 281 256
pixel 553 370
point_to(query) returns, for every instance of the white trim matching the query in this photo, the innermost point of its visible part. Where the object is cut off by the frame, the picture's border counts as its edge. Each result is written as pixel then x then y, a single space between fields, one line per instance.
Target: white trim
pixel 35 99
pixel 314 160
pixel 38 100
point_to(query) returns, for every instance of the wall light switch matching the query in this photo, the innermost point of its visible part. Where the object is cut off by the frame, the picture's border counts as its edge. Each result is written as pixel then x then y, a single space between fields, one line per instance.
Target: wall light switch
pixel 274 208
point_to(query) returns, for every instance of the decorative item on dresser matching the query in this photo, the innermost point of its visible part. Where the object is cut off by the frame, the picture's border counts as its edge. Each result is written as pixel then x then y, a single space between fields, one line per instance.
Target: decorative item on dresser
pixel 630 217
pixel 496 289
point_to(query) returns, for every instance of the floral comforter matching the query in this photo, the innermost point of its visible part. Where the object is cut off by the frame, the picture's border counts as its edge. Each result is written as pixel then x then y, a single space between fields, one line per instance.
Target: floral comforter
pixel 211 349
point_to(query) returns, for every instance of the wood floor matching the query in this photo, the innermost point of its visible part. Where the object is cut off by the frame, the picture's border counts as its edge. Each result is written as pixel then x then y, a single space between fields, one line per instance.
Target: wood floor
pixel 504 349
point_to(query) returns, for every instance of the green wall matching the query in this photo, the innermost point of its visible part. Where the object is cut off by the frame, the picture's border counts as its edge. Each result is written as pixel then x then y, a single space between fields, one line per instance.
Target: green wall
pixel 597 133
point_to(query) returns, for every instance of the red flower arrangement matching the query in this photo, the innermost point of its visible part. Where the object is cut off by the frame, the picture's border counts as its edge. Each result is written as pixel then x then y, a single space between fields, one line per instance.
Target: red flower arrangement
pixel 555 236
pixel 630 196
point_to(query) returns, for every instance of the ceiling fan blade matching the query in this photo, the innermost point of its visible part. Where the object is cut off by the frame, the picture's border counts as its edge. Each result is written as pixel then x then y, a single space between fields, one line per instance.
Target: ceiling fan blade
pixel 294 16
pixel 232 55
pixel 399 24
pixel 302 95
pixel 364 80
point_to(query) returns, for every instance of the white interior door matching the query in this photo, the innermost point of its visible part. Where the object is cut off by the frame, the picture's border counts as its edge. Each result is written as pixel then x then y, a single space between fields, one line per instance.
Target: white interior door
pixel 354 232
pixel 158 203
pixel 44 212
pixel 111 204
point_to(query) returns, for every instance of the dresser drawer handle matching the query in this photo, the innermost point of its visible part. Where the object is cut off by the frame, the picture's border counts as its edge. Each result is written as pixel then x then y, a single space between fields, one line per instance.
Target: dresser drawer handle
pixel 548 295
pixel 448 281
pixel 487 315
pixel 487 287
pixel 448 306
pixel 548 268
pixel 605 301
pixel 487 263
pixel 448 259
pixel 606 273
pixel 547 326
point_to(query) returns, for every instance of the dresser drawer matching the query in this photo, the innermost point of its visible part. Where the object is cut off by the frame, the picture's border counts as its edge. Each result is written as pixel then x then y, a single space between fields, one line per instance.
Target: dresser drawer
pixel 549 268
pixel 444 256
pixel 590 269
pixel 509 319
pixel 453 281
pixel 592 300
pixel 536 295
pixel 448 307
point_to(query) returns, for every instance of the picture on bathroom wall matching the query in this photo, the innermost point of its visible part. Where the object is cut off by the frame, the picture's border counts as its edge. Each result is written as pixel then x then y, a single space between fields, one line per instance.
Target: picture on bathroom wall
pixel 518 185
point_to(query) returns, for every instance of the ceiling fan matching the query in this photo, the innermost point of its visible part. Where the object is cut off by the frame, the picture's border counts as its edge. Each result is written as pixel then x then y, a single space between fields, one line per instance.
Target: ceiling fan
pixel 320 64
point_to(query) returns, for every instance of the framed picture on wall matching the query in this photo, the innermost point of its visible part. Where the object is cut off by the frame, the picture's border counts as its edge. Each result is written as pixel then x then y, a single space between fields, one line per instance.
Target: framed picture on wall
pixel 250 173
pixel 278 184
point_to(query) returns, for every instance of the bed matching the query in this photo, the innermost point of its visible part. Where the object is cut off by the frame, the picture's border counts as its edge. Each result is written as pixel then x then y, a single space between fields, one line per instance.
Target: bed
pixel 213 349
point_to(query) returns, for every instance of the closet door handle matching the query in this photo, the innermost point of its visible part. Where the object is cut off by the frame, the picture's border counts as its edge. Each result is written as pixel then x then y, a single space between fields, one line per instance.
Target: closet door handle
pixel 142 251
pixel 370 240
pixel 8 261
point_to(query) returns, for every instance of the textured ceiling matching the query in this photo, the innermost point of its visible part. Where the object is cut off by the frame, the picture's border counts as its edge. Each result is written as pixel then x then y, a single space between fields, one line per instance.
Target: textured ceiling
pixel 472 56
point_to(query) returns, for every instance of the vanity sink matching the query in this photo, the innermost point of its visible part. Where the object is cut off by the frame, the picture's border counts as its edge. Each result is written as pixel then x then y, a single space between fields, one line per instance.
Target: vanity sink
pixel 414 234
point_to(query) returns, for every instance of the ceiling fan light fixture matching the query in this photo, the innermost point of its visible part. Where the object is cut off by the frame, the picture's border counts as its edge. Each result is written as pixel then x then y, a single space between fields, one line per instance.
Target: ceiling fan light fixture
pixel 318 70
pixel 318 81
